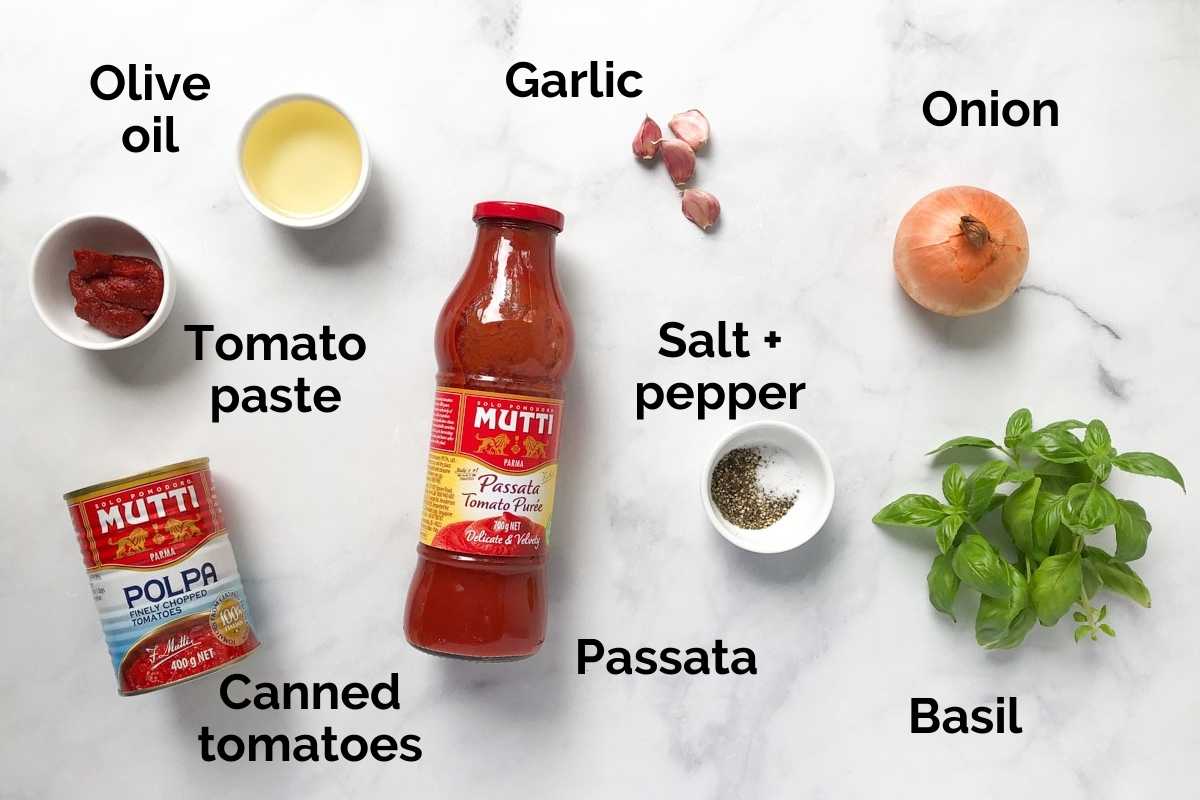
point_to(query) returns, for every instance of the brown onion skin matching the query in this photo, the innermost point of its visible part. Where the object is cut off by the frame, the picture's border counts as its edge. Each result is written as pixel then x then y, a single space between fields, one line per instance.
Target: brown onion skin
pixel 942 270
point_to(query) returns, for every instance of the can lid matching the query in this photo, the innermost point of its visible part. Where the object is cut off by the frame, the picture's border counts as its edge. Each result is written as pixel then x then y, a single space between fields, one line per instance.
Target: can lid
pixel 528 212
pixel 170 470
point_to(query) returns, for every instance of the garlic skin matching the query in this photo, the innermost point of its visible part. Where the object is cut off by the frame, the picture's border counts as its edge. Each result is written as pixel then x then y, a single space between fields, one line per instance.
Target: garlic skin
pixel 680 160
pixel 645 143
pixel 692 127
pixel 701 208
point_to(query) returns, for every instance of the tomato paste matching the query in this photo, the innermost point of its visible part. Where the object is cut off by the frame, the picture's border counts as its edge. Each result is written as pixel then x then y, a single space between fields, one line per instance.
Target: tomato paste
pixel 163 575
pixel 117 294
pixel 503 344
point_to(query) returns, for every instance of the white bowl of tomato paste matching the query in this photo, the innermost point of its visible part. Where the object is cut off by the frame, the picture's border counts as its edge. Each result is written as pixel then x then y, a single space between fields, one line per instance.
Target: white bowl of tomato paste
pixel 100 282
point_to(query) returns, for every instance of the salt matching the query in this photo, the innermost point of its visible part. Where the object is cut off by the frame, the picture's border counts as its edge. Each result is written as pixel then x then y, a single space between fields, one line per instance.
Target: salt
pixel 778 473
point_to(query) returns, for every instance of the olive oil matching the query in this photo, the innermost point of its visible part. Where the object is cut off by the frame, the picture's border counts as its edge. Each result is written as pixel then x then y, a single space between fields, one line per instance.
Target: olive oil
pixel 302 158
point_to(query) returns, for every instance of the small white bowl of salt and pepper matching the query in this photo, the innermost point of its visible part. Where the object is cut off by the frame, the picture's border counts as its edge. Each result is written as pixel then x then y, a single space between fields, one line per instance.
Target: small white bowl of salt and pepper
pixel 767 487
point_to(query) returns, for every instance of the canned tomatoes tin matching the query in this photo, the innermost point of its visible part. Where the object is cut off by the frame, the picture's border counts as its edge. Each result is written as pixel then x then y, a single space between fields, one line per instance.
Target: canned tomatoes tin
pixel 163 575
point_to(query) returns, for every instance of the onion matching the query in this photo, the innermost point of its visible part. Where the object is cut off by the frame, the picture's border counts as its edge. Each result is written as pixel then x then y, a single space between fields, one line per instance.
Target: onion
pixel 960 251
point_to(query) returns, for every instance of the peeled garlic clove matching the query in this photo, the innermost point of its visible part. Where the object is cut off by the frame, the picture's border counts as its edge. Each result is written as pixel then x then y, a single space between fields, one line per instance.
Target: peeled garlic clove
pixel 692 127
pixel 701 207
pixel 645 144
pixel 680 160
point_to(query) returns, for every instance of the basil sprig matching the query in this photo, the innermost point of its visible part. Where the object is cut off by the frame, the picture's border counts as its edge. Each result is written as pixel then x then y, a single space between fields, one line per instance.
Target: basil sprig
pixel 1058 502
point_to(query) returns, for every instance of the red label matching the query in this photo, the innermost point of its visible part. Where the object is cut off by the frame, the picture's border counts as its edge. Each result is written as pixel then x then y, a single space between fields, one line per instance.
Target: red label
pixel 492 468
pixel 509 433
pixel 181 650
pixel 503 535
pixel 148 525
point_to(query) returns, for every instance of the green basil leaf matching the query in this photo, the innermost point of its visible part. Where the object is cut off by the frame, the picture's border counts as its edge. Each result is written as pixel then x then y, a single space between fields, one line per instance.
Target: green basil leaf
pixel 1149 464
pixel 954 486
pixel 1047 519
pixel 979 566
pixel 962 441
pixel 981 485
pixel 1017 516
pixel 992 620
pixel 996 615
pixel 1090 507
pixel 1020 588
pixel 1064 424
pixel 947 532
pixel 1082 631
pixel 1076 473
pixel 1059 445
pixel 1079 616
pixel 1118 576
pixel 1056 487
pixel 1017 629
pixel 943 585
pixel 1019 424
pixel 1057 478
pixel 997 500
pixel 1108 629
pixel 1055 587
pixel 1133 530
pixel 1101 466
pixel 912 510
pixel 1017 474
pixel 1064 541
pixel 1096 441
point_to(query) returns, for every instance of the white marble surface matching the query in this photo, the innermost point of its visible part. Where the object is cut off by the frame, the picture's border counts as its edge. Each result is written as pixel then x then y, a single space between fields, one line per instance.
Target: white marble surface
pixel 819 147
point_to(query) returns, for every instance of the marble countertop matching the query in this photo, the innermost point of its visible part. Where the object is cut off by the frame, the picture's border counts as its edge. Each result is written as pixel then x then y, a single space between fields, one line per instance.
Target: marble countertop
pixel 819 147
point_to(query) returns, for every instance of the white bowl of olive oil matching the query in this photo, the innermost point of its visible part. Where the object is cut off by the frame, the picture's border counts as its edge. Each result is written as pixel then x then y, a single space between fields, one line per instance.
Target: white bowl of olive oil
pixel 302 162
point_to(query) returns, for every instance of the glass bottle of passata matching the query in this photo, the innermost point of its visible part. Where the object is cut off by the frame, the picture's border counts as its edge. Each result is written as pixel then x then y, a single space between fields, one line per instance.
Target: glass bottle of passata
pixel 503 345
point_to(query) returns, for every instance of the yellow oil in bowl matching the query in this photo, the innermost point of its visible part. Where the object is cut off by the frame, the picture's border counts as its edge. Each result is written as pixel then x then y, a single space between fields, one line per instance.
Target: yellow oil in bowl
pixel 302 158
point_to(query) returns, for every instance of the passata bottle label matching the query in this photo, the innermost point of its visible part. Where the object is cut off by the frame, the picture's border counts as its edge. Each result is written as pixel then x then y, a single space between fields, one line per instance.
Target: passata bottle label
pixel 492 466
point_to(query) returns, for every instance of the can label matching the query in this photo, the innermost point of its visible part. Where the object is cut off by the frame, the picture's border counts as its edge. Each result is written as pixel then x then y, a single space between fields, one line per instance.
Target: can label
pixel 163 577
pixel 489 488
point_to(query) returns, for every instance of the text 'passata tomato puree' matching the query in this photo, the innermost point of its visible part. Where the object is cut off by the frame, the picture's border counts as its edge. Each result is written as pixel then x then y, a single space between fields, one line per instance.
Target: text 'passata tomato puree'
pixel 503 344
pixel 163 575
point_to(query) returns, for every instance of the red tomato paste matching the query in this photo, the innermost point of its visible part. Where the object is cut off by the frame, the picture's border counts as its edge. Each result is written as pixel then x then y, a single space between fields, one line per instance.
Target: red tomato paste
pixel 117 294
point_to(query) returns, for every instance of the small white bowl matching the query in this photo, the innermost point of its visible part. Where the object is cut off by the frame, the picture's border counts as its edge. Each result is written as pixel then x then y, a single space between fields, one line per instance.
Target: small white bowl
pixel 813 502
pixel 318 220
pixel 53 258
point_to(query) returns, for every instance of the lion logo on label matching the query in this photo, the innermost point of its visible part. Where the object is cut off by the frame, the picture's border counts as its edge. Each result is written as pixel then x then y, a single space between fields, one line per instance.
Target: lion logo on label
pixel 492 445
pixel 534 448
pixel 132 542
pixel 181 529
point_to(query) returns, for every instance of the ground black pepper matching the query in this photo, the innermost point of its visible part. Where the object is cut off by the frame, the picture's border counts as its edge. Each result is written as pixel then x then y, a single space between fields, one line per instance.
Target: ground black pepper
pixel 739 495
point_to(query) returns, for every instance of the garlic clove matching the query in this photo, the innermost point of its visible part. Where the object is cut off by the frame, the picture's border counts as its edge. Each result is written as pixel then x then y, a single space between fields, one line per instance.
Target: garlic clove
pixel 701 207
pixel 692 127
pixel 645 144
pixel 680 160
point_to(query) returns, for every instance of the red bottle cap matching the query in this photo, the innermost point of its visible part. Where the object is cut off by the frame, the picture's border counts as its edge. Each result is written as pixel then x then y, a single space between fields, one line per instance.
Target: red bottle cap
pixel 528 212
